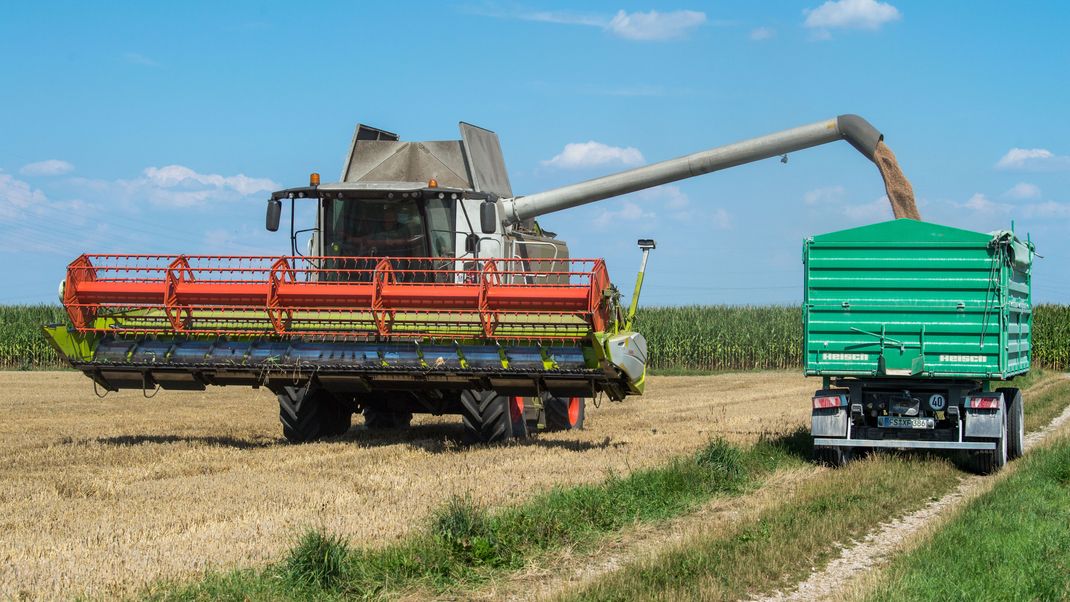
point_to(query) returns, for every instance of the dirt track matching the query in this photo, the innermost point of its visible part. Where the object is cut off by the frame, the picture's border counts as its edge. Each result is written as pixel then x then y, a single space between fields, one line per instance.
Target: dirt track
pixel 100 496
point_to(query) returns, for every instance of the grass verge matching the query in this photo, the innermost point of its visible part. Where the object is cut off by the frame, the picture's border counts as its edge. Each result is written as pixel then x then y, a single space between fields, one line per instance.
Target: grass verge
pixel 466 545
pixel 782 544
pixel 1019 542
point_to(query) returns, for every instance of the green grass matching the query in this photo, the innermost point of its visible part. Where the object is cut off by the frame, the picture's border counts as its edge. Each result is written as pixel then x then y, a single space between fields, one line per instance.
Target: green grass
pixel 783 543
pixel 781 546
pixel 465 546
pixel 1012 543
pixel 1045 402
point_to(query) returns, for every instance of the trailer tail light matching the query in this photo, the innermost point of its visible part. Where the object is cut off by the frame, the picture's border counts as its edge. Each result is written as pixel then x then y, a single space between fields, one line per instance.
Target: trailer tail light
pixel 983 402
pixel 829 401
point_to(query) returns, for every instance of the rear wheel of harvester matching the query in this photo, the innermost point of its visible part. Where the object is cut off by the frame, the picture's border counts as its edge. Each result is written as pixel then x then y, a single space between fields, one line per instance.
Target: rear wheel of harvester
pixel 487 416
pixel 310 414
pixel 990 461
pixel 564 413
pixel 1015 422
pixel 376 419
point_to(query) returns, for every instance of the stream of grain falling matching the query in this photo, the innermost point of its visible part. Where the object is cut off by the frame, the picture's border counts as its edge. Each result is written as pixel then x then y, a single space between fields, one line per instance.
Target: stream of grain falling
pixel 900 192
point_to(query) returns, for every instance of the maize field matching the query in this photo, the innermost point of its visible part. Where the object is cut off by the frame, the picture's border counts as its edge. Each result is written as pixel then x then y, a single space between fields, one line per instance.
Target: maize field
pixel 696 338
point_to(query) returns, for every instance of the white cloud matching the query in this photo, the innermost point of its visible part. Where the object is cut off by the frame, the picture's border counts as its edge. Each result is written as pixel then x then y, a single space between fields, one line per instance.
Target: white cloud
pixel 171 176
pixel 850 14
pixel 1049 209
pixel 722 219
pixel 648 26
pixel 592 154
pixel 18 197
pixel 1033 159
pixel 1023 190
pixel 135 58
pixel 654 25
pixel 762 33
pixel 979 203
pixel 51 167
pixel 877 211
pixel 827 194
pixel 628 211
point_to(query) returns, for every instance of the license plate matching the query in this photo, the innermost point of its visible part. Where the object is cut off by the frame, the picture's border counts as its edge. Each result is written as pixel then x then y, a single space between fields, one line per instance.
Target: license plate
pixel 899 422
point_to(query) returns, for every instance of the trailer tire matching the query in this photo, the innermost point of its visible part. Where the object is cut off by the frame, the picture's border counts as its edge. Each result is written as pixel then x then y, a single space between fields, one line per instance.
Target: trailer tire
pixel 382 420
pixel 833 456
pixel 308 414
pixel 988 462
pixel 564 413
pixel 1015 422
pixel 486 416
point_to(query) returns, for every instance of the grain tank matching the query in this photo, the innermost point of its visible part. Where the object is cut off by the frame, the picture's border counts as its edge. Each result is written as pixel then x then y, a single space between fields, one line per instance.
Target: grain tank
pixel 917 330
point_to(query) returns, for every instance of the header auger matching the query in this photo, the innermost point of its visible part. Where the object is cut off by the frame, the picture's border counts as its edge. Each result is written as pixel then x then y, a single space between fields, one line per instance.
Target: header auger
pixel 427 287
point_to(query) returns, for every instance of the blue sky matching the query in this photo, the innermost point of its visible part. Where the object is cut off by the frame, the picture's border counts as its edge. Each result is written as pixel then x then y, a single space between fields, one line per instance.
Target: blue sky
pixel 160 127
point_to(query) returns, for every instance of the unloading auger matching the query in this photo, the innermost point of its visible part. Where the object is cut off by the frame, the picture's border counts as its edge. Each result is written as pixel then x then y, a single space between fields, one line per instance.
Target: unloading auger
pixel 427 287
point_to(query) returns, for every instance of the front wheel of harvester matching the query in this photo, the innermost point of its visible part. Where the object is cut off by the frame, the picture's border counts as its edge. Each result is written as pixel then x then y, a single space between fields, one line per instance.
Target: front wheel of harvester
pixel 564 413
pixel 833 456
pixel 310 414
pixel 1015 422
pixel 990 461
pixel 487 416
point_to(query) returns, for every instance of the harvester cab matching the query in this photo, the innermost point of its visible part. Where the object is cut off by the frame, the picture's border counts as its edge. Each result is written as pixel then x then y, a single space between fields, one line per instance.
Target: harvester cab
pixel 428 287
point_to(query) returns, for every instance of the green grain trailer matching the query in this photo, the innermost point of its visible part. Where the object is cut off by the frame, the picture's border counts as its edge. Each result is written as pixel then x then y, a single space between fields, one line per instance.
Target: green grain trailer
pixel 909 323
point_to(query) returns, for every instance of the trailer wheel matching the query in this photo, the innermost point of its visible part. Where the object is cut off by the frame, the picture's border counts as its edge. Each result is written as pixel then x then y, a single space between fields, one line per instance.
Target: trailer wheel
pixel 988 462
pixel 564 413
pixel 1015 422
pixel 486 416
pixel 833 456
pixel 381 420
pixel 310 414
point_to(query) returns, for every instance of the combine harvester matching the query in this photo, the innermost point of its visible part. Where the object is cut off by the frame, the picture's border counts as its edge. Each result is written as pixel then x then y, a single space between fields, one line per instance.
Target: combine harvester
pixel 428 287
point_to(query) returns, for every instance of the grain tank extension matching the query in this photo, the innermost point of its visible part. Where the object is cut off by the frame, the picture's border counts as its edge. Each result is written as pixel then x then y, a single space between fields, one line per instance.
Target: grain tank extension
pixel 427 286
pixel 909 324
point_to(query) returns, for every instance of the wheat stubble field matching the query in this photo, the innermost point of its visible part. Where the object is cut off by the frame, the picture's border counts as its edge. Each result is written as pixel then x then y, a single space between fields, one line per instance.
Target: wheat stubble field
pixel 101 496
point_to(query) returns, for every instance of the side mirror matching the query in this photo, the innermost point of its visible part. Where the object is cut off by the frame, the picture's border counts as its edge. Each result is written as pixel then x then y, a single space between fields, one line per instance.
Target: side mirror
pixel 274 212
pixel 471 243
pixel 488 217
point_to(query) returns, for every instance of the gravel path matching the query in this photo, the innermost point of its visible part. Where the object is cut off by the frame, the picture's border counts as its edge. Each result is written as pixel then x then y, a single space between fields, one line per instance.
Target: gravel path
pixel 882 543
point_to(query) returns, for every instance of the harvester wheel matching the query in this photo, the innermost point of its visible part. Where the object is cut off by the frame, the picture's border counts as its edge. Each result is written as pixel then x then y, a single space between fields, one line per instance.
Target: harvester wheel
pixel 380 420
pixel 311 414
pixel 486 416
pixel 564 413
pixel 1015 422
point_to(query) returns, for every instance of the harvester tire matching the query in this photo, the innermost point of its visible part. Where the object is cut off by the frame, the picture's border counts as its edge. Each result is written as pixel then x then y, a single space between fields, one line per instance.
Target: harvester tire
pixel 564 413
pixel 381 420
pixel 311 414
pixel 1015 422
pixel 486 416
